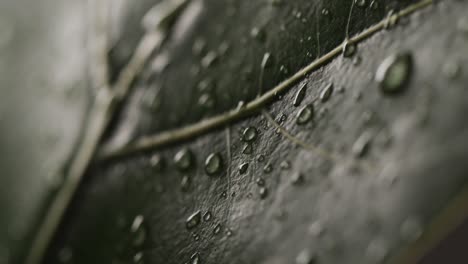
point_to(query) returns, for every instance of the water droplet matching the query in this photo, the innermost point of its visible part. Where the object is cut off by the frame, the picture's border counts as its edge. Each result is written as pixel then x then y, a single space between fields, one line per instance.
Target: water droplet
pixel 267 60
pixel 184 159
pixel 374 5
pixel 326 93
pixel 260 158
pixel 229 232
pixel 207 101
pixel 248 149
pixel 283 70
pixel 394 73
pixel 207 216
pixel 196 237
pixel 451 69
pixel 377 251
pixel 185 183
pixel 195 258
pixel 209 59
pixel 193 220
pixel 243 167
pixel 301 92
pixel 263 192
pixel 157 163
pixel 362 145
pixel 283 118
pixel 268 168
pixel 297 179
pixel 305 114
pixel 285 165
pixel 217 229
pixel 249 134
pixel 213 164
pixel 325 12
pixel 138 258
pixel 349 49
pixel 360 3
pixel 411 229
pixel 138 231
pixel 258 34
pixel 260 182
pixel 224 194
pixel 306 257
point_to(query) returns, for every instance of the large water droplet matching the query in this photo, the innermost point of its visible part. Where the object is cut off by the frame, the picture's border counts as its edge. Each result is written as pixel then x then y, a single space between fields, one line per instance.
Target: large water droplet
pixel 213 164
pixel 305 114
pixel 394 73
pixel 138 231
pixel 249 134
pixel 193 220
pixel 243 168
pixel 301 92
pixel 326 93
pixel 184 159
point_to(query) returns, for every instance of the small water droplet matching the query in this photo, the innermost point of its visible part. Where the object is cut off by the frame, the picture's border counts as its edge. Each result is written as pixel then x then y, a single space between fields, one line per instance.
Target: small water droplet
pixel 285 165
pixel 263 192
pixel 217 229
pixel 316 229
pixel 349 49
pixel 157 163
pixel 394 73
pixel 258 34
pixel 248 149
pixel 195 258
pixel 229 232
pixel 306 257
pixel 243 168
pixel 209 59
pixel 207 216
pixel 185 183
pixel 305 114
pixel 249 134
pixel 377 251
pixel 374 5
pixel 267 60
pixel 260 158
pixel 297 179
pixel 138 258
pixel 268 168
pixel 224 194
pixel 360 3
pixel 207 101
pixel 213 164
pixel 362 145
pixel 196 237
pixel 326 93
pixel 184 159
pixel 411 229
pixel 260 182
pixel 325 12
pixel 283 70
pixel 301 93
pixel 138 231
pixel 193 220
pixel 283 118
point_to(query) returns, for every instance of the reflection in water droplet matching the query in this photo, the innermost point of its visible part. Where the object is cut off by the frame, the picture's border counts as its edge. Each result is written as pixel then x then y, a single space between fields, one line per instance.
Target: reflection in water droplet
pixel 213 164
pixel 243 167
pixel 138 231
pixel 305 114
pixel 184 159
pixel 249 134
pixel 207 216
pixel 411 229
pixel 217 229
pixel 301 92
pixel 263 192
pixel 157 163
pixel 193 220
pixel 326 93
pixel 394 73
